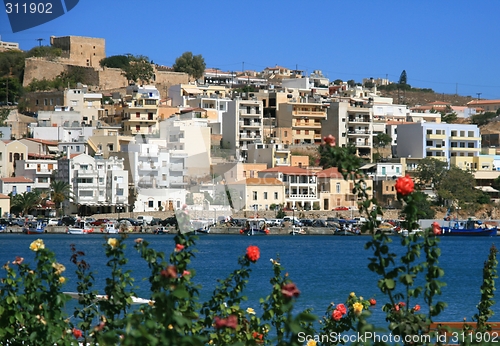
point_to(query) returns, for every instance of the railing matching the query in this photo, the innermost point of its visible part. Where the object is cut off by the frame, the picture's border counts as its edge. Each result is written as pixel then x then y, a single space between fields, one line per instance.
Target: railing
pixel 301 196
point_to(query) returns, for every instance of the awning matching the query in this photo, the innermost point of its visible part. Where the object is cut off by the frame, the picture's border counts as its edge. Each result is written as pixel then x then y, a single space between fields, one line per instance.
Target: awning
pixel 368 165
pixel 192 90
pixel 52 148
pixel 486 189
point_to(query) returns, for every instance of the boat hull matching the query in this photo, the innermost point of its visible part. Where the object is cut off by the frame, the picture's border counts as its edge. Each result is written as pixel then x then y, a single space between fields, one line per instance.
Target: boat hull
pixel 449 231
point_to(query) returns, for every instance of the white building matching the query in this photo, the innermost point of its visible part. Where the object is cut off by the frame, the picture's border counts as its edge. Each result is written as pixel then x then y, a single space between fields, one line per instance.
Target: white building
pixel 15 185
pixel 89 105
pixel 141 114
pixel 242 124
pixel 39 171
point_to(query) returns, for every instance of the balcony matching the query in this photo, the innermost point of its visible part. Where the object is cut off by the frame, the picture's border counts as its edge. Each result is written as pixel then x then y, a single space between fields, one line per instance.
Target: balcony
pixel 307 124
pixel 176 167
pixel 86 173
pixel 309 114
pixel 254 112
pixel 251 136
pixel 255 124
pixel 462 150
pixel 433 136
pixel 148 167
pixel 178 180
pixel 463 138
pixel 359 133
pixel 366 120
pixel 301 196
pixel 362 144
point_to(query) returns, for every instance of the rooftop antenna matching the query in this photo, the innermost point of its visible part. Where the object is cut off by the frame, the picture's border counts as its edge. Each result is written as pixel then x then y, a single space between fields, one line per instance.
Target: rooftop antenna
pixel 478 96
pixel 40 41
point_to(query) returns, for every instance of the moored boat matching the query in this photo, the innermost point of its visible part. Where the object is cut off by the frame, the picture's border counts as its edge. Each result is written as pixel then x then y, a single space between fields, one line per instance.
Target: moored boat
pixel 255 226
pixel 34 227
pixel 469 227
pixel 296 230
pixel 80 227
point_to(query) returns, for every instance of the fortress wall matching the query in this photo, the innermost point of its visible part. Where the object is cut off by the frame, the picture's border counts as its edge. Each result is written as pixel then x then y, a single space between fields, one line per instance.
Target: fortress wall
pixel 38 68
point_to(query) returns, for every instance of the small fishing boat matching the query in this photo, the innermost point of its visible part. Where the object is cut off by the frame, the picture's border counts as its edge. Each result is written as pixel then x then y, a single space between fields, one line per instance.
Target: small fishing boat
pixel 34 227
pixel 296 230
pixel 469 227
pixel 110 228
pixel 255 226
pixel 161 230
pixel 80 227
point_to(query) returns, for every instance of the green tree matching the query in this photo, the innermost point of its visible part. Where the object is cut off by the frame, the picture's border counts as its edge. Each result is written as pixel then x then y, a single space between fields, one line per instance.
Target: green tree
pixel 351 82
pixel 139 69
pixel 403 78
pixel 449 118
pixel 337 82
pixel 116 61
pixel 60 191
pixel 431 171
pixel 458 187
pixel 24 202
pixel 382 140
pixel 48 52
pixel 482 118
pixel 12 64
pixel 193 65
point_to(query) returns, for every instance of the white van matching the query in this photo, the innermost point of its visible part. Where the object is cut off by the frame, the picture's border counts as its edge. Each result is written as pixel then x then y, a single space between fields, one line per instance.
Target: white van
pixel 295 221
pixel 145 220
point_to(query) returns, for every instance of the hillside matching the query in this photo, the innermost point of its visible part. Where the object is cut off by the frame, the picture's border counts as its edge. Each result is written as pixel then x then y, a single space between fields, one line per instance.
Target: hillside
pixel 413 98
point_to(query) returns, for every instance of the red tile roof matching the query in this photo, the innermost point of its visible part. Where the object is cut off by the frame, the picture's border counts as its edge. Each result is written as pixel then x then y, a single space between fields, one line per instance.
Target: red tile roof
pixel 332 172
pixel 288 170
pixel 43 141
pixel 258 181
pixel 16 180
pixel 2 196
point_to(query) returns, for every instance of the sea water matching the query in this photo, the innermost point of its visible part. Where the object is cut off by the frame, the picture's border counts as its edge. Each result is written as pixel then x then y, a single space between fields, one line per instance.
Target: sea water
pixel 326 269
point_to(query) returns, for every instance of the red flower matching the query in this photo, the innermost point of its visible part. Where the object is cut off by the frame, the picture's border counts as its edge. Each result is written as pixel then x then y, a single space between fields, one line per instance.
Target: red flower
pixel 77 333
pixel 186 273
pixel 404 185
pixel 436 229
pixel 179 247
pixel 169 272
pixel 230 322
pixel 258 336
pixel 396 307
pixel 416 308
pixel 337 315
pixel 341 308
pixel 18 260
pixel 402 304
pixel 290 291
pixel 372 302
pixel 330 140
pixel 253 253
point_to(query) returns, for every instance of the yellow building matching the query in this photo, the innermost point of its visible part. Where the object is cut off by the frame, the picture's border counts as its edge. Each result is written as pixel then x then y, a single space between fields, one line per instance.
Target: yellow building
pixel 257 193
pixel 335 191
pixel 141 115
pixel 304 118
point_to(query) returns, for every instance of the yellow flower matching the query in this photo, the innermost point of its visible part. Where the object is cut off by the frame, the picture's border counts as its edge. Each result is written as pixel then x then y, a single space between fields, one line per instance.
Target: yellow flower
pixel 151 303
pixel 352 294
pixel 59 268
pixel 311 343
pixel 250 311
pixel 113 242
pixel 62 279
pixel 360 298
pixel 170 326
pixel 37 245
pixel 211 342
pixel 358 307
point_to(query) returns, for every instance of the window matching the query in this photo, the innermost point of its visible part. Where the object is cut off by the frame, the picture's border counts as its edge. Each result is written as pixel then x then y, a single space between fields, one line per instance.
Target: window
pixel 265 195
pixel 119 192
pixel 275 195
pixel 28 188
pixel 87 193
pixel 397 169
pixel 163 177
pixel 429 131
pixel 14 190
pixel 150 204
pixel 337 188
pixel 137 114
pixel 254 193
pixel 138 128
pixel 101 180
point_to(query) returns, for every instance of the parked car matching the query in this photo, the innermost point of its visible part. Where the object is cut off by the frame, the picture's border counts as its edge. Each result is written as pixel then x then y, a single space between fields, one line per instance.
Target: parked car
pixel 53 222
pixel 145 219
pixel 275 222
pixel 340 208
pixel 319 223
pixel 306 222
pixel 133 222
pixel 67 221
pixel 155 221
pixel 99 222
pixel 169 221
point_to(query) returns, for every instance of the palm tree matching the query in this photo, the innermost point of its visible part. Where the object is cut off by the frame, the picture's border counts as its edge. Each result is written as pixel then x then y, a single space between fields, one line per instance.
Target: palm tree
pixel 26 201
pixel 60 191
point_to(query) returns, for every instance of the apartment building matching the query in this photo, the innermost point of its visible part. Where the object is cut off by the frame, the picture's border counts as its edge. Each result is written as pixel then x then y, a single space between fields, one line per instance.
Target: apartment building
pixel 301 188
pixel 141 114
pixel 272 155
pixel 257 193
pixel 38 170
pixel 99 185
pixel 335 191
pixel 89 105
pixel 242 125
pixel 10 153
pixel 304 116
pixel 456 144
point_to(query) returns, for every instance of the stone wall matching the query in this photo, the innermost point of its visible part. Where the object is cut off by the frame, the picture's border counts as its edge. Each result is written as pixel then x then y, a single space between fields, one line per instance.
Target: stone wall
pixel 111 78
pixel 39 68
pixel 165 79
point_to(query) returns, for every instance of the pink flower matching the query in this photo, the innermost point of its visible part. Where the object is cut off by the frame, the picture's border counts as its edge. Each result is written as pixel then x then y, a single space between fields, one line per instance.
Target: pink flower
pixel 290 290
pixel 219 323
pixel 337 315
pixel 405 185
pixel 416 308
pixel 169 272
pixel 341 308
pixel 18 260
pixel 330 140
pixel 230 322
pixel 396 307
pixel 77 333
pixel 436 229
pixel 179 247
pixel 186 273
pixel 253 253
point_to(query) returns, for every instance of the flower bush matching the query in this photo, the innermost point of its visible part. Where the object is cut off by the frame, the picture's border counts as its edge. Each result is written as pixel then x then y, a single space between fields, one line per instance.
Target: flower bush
pixel 32 299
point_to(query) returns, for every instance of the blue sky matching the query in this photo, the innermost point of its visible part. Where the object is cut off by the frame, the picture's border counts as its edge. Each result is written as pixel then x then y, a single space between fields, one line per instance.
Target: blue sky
pixel 448 46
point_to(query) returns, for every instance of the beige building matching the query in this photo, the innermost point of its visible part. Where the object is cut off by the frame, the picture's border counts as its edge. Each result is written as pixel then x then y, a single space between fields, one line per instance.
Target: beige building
pixel 236 171
pixel 107 140
pixel 141 115
pixel 4 205
pixel 257 193
pixel 271 154
pixel 10 153
pixel 81 51
pixel 335 191
pixel 304 117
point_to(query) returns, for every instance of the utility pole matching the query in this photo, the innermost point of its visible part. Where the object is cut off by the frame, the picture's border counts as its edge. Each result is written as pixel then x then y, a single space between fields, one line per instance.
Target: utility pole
pixel 40 41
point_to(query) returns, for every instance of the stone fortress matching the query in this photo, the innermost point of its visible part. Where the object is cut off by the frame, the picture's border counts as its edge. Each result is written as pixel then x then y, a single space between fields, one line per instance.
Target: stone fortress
pixel 87 52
